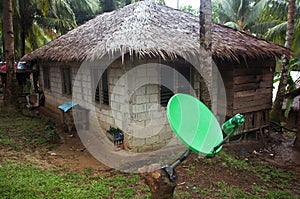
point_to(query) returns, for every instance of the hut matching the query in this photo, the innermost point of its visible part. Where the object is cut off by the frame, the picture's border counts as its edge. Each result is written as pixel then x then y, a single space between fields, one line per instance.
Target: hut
pixel 149 33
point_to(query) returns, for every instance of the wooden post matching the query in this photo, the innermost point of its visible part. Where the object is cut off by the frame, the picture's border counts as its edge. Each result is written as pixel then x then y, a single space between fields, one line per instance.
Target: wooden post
pixel 161 187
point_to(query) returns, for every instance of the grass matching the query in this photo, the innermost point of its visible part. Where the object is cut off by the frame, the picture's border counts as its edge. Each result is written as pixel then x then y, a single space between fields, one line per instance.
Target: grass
pixel 229 191
pixel 22 132
pixel 265 182
pixel 25 179
pixel 21 178
pixel 28 181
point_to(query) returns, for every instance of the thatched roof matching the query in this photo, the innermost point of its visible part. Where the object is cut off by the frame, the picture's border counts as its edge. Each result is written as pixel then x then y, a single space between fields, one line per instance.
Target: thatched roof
pixel 149 28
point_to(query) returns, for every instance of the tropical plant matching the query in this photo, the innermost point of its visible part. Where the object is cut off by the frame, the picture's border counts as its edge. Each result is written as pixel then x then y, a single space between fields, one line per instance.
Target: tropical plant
pixel 84 10
pixel 40 19
pixel 239 14
pixel 36 22
pixel 273 21
pixel 275 113
pixel 190 9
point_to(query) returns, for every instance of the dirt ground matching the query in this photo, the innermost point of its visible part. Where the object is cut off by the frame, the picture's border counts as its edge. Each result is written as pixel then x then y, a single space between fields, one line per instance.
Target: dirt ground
pixel 276 150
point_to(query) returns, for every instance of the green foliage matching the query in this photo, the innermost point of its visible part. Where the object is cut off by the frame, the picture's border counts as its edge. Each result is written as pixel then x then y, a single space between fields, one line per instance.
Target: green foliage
pixel 21 132
pixel 273 182
pixel 115 131
pixel 190 9
pixel 52 135
pixel 273 21
pixel 241 14
pixel 84 10
pixel 108 5
pixel 269 174
pixel 24 179
pixel 231 162
pixel 263 18
pixel 27 181
pixel 43 20
pixel 295 63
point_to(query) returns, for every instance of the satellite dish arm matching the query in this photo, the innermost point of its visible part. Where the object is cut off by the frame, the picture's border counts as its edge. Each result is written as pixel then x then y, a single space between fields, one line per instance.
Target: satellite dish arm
pixel 170 169
pixel 229 128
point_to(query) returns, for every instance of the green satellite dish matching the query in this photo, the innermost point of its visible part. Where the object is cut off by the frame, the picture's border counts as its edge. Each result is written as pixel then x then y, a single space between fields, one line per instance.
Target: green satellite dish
pixel 194 124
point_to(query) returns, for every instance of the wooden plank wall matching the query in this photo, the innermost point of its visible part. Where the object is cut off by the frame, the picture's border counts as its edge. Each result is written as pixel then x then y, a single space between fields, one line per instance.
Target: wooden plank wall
pixel 254 121
pixel 252 86
pixel 249 91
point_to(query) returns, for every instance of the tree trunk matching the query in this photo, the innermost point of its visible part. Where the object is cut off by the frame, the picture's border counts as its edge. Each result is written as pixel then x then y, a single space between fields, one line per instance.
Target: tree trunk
pixel 10 96
pixel 292 95
pixel 161 187
pixel 277 106
pixel 297 140
pixel 209 98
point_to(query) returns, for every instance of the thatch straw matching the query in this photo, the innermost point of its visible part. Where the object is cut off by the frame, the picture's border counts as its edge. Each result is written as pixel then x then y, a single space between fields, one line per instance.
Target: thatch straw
pixel 147 28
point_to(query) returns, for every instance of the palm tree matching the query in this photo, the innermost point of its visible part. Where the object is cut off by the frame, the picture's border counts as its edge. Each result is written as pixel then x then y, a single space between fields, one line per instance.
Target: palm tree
pixel 84 10
pixel 276 112
pixel 38 22
pixel 43 17
pixel 239 14
pixel 273 23
pixel 8 32
pixel 205 18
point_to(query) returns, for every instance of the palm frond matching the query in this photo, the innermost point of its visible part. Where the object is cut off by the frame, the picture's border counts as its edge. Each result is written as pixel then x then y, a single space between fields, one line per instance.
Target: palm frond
pixel 16 8
pixel 277 33
pixel 43 6
pixel 232 25
pixel 265 26
pixel 296 42
pixel 275 9
pixel 226 8
pixel 91 7
pixel 255 12
pixel 37 37
pixel 60 9
pixel 60 25
pixel 61 17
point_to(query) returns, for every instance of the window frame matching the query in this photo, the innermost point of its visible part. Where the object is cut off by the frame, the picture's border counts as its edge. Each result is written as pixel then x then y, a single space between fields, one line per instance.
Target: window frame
pixel 46 77
pixel 98 86
pixel 66 83
pixel 175 83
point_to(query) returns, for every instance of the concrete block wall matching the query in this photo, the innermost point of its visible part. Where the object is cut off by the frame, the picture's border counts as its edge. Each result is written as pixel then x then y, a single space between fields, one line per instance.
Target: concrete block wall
pixel 134 104
pixel 147 114
pixel 54 96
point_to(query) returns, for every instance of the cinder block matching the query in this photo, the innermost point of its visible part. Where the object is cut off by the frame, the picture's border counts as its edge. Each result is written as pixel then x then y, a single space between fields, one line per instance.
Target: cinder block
pixel 140 91
pixel 139 108
pixel 152 88
pixel 142 99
